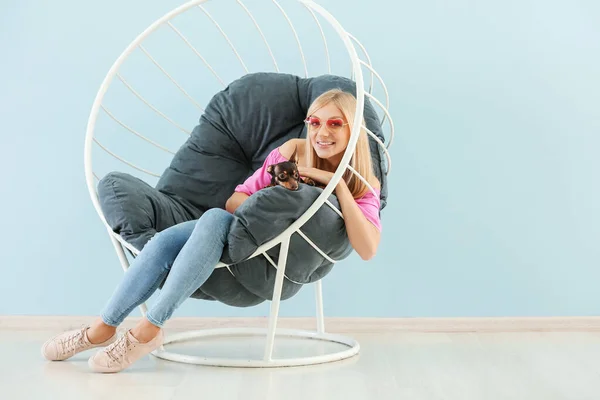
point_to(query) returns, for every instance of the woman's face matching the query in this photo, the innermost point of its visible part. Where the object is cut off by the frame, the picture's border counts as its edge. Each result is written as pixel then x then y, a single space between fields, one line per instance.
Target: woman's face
pixel 329 133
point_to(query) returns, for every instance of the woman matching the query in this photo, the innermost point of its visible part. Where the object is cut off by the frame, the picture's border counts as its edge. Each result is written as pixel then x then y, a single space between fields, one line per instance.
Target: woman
pixel 187 253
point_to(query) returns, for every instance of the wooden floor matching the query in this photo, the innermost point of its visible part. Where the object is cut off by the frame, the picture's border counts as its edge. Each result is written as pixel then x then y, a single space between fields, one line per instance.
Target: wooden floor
pixel 400 365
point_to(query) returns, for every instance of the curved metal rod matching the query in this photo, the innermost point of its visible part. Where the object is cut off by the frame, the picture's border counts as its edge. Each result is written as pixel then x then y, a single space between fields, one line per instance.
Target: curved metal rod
pixel 121 254
pixel 276 298
pixel 225 36
pixel 321 252
pixel 197 53
pixel 351 347
pixel 260 32
pixel 322 35
pixel 387 95
pixel 370 96
pixel 334 208
pixel 132 90
pixel 355 172
pixel 319 304
pixel 270 260
pixel 136 133
pixel 125 161
pixel 366 55
pixel 295 35
pixel 379 142
pixel 169 76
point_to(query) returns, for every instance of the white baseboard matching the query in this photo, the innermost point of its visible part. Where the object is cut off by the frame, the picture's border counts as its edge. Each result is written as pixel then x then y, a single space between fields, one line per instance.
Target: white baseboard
pixel 333 325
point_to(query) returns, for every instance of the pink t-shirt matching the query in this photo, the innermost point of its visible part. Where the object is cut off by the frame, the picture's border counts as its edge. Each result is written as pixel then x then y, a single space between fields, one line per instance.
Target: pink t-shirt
pixel 369 203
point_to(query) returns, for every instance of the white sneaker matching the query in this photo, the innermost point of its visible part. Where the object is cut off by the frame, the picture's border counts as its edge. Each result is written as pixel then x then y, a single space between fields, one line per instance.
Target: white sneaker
pixel 67 344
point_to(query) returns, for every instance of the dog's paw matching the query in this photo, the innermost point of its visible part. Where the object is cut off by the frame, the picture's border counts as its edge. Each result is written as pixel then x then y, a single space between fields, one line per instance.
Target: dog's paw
pixel 309 181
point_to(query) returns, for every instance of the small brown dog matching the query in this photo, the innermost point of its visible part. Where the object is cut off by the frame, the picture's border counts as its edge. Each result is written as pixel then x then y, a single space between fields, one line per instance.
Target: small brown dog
pixel 286 174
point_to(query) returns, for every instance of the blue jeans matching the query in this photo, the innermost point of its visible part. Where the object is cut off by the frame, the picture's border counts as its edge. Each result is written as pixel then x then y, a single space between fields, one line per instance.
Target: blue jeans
pixel 187 252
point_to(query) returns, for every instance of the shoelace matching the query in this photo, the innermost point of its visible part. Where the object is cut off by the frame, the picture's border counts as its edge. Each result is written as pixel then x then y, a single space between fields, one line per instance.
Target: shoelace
pixel 72 341
pixel 117 350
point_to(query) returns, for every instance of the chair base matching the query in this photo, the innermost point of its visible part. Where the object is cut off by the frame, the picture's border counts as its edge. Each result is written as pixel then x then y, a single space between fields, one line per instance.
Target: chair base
pixel 353 348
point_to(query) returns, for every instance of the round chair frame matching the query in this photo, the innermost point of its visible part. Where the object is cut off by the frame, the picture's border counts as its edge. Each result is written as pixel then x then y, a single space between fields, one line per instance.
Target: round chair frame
pixel 283 239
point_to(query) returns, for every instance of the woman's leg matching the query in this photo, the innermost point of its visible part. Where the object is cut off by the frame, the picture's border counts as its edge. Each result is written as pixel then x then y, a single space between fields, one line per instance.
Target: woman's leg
pixel 141 279
pixel 146 272
pixel 192 267
pixel 194 264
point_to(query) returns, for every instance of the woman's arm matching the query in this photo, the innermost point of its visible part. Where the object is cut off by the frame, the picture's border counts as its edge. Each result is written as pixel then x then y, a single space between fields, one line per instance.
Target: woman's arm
pixel 257 181
pixel 363 235
pixel 236 199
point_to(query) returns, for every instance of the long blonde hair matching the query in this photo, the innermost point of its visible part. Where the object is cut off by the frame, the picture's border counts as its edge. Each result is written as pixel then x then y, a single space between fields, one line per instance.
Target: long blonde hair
pixel 361 159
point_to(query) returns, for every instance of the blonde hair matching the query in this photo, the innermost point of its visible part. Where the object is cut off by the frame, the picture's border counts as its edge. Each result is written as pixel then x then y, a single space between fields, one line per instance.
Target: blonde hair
pixel 361 159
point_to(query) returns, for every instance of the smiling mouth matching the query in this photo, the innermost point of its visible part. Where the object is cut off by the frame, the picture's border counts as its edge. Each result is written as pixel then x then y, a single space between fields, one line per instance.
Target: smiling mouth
pixel 323 143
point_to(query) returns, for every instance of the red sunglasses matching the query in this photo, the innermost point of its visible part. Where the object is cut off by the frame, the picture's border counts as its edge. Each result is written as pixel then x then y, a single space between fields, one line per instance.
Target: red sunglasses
pixel 314 123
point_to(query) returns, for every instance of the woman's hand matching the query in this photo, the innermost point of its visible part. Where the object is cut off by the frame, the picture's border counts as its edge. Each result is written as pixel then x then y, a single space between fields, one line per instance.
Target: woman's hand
pixel 317 175
pixel 236 200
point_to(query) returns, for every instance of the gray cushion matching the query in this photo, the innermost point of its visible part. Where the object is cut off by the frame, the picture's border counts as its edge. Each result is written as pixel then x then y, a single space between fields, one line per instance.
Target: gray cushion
pixel 240 126
pixel 266 214
pixel 137 211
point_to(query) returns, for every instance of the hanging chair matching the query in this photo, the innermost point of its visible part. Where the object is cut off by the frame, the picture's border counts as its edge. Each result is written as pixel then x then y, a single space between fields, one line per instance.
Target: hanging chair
pixel 243 118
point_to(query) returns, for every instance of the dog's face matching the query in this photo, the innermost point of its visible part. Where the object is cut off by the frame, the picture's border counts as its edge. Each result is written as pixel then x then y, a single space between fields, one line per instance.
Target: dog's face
pixel 285 173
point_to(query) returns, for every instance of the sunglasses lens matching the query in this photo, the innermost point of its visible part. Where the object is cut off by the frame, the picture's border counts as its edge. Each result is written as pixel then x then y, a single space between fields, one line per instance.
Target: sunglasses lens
pixel 313 123
pixel 335 123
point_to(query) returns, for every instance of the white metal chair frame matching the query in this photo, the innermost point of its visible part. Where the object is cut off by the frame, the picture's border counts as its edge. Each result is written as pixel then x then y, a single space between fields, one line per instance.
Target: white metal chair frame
pixel 282 239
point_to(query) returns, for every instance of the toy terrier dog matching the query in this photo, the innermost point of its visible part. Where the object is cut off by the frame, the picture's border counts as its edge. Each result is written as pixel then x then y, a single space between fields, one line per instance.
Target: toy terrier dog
pixel 286 174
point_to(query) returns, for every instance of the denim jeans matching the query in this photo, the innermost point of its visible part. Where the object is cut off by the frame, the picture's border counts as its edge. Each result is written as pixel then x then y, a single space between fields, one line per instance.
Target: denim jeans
pixel 187 252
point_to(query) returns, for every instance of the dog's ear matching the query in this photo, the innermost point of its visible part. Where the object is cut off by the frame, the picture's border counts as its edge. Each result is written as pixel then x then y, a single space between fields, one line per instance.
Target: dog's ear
pixel 270 170
pixel 293 157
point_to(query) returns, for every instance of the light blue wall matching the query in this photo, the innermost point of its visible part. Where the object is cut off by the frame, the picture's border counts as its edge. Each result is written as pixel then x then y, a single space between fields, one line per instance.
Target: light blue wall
pixel 495 194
